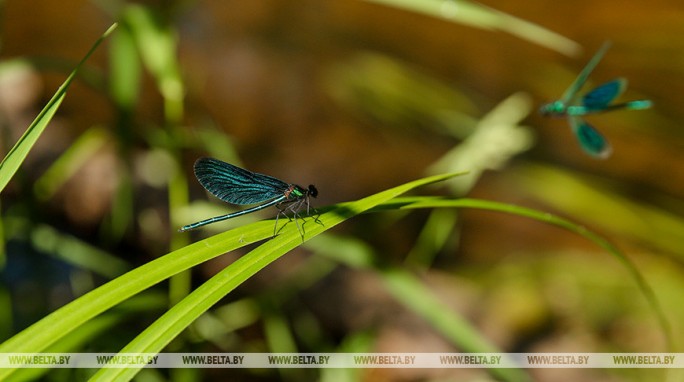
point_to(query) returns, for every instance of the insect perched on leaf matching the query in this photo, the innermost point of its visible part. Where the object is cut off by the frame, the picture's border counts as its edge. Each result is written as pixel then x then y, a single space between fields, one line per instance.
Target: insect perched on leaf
pixel 235 185
pixel 595 101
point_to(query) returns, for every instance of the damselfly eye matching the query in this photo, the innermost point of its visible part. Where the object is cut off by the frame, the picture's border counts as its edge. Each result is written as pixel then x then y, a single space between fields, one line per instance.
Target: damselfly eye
pixel 313 191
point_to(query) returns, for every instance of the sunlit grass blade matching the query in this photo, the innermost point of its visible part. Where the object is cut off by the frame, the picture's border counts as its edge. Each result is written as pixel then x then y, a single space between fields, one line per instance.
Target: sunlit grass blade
pixel 71 343
pixel 77 252
pixel 69 162
pixel 602 206
pixel 166 328
pixel 408 289
pixel 157 44
pixel 70 317
pixel 480 16
pixel 642 284
pixel 10 164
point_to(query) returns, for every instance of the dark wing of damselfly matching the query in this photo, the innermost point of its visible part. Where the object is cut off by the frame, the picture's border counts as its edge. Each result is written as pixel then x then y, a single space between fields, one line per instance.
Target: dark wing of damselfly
pixel 592 142
pixel 601 97
pixel 235 185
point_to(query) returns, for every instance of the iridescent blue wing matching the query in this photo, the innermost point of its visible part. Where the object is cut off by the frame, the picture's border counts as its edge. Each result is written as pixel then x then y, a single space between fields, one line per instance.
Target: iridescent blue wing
pixel 591 141
pixel 569 94
pixel 235 185
pixel 601 97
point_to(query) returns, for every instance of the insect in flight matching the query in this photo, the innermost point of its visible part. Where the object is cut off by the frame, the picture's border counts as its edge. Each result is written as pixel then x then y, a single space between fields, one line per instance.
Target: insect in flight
pixel 595 101
pixel 235 185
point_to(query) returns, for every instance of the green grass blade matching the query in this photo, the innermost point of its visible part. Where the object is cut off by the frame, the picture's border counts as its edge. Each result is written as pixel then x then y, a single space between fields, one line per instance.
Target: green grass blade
pixel 70 317
pixel 73 158
pixel 157 44
pixel 171 324
pixel 410 291
pixel 50 329
pixel 481 16
pixel 10 164
pixel 642 284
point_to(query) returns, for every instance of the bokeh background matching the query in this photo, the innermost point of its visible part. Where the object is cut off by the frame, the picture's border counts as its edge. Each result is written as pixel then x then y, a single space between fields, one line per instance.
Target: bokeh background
pixel 355 97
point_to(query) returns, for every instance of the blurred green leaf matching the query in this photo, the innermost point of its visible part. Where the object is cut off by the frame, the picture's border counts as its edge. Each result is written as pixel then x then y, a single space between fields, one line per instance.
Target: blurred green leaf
pixel 604 207
pixel 357 342
pixel 398 95
pixel 406 288
pixel 78 154
pixel 644 286
pixel 157 46
pixel 10 164
pixel 436 232
pixel 497 138
pixel 77 252
pixel 480 16
pixel 124 85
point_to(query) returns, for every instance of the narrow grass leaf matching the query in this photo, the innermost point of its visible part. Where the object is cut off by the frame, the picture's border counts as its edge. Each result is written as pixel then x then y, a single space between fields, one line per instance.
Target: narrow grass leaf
pixel 408 290
pixel 10 164
pixel 170 325
pixel 50 329
pixel 73 158
pixel 480 16
pixel 642 284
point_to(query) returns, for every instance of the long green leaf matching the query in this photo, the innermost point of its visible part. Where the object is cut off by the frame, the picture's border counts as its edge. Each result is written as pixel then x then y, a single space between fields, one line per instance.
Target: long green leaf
pixel 480 16
pixel 171 324
pixel 408 289
pixel 646 290
pixel 10 164
pixel 43 333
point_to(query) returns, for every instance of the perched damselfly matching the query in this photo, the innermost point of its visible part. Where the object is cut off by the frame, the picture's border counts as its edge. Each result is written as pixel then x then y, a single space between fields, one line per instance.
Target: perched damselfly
pixel 236 185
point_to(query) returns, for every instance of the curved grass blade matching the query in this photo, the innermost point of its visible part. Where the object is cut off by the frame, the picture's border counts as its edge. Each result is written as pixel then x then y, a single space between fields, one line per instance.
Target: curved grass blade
pixel 10 164
pixel 411 292
pixel 408 289
pixel 62 169
pixel 70 317
pixel 481 16
pixel 642 284
pixel 167 327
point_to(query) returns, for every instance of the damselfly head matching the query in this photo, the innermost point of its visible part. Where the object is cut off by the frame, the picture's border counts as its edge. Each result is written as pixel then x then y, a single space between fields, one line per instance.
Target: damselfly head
pixel 553 108
pixel 313 191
